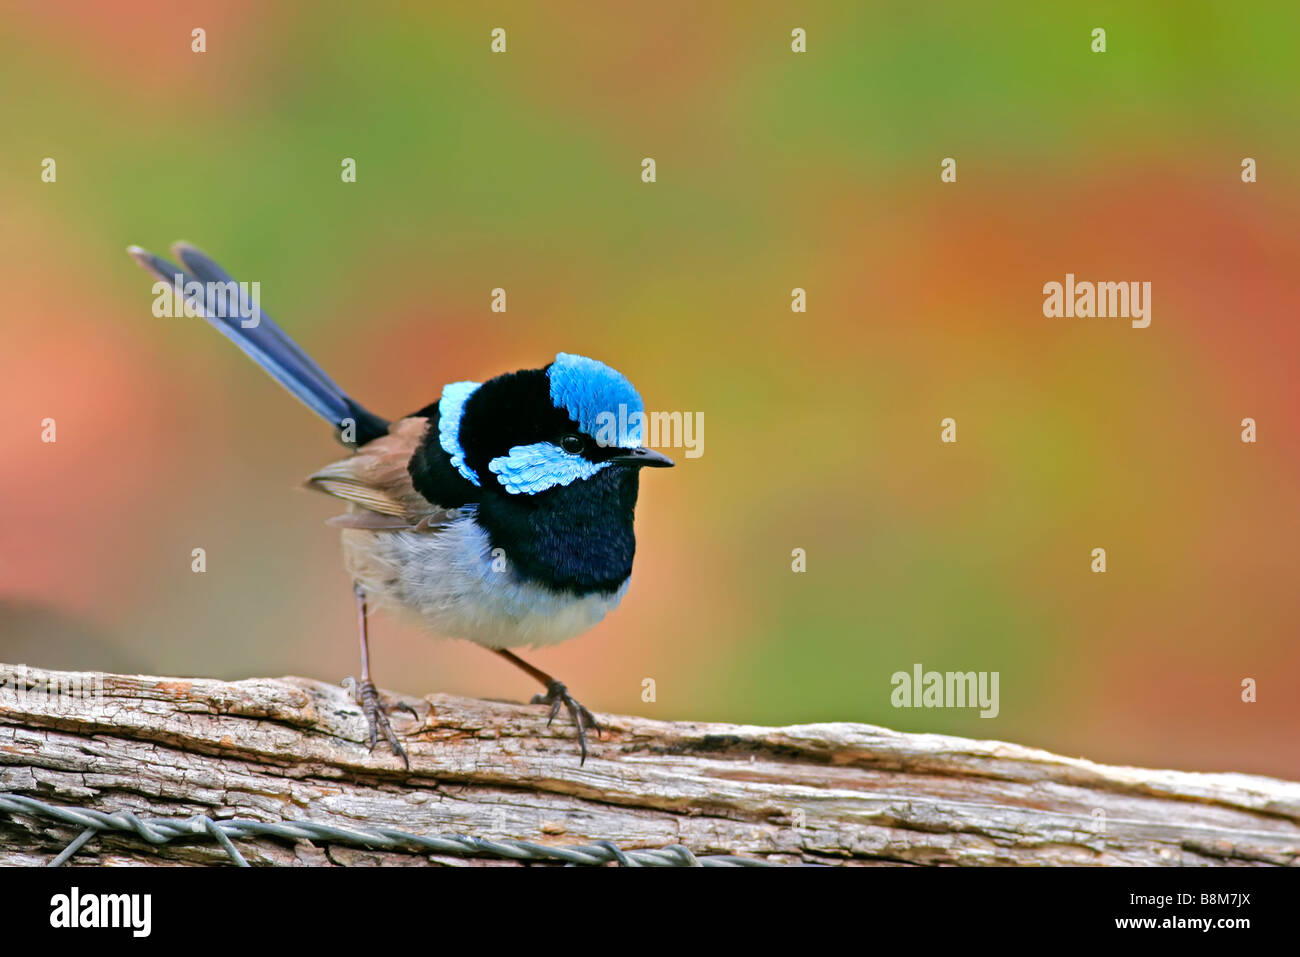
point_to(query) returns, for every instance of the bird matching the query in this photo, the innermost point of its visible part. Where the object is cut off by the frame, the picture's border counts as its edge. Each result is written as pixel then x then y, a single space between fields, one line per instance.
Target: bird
pixel 500 513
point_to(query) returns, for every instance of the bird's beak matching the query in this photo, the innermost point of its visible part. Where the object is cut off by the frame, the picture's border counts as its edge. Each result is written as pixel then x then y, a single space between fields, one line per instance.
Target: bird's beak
pixel 646 457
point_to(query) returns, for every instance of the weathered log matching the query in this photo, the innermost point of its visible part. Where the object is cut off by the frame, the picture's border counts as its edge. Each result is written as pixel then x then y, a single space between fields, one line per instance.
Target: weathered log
pixel 292 749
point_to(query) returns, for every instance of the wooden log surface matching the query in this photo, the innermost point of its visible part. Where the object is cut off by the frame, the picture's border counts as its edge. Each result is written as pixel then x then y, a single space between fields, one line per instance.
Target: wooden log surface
pixel 292 749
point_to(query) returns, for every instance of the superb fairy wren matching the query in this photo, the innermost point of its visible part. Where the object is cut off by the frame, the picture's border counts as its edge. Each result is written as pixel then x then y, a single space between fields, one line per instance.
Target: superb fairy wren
pixel 500 513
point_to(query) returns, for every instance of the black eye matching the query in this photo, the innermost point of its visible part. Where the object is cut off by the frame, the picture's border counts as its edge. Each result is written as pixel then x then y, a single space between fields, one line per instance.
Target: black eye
pixel 571 443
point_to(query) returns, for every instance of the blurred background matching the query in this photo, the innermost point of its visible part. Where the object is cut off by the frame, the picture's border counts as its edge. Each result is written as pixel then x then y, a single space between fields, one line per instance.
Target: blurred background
pixel 775 171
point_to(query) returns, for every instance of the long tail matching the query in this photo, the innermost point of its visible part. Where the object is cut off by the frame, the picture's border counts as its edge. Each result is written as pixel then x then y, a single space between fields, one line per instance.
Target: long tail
pixel 265 343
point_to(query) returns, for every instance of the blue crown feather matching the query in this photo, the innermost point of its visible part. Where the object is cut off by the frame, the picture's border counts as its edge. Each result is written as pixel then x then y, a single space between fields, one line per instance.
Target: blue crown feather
pixel 586 389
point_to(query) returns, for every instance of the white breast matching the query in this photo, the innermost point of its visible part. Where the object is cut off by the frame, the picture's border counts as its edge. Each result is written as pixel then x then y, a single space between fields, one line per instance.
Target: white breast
pixel 449 582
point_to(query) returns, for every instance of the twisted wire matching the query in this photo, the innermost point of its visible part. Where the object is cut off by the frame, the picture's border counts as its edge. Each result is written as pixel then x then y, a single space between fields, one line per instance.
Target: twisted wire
pixel 160 831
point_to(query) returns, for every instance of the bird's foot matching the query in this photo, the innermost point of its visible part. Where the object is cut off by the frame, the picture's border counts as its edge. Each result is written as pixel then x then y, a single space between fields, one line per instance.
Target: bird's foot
pixel 557 695
pixel 366 696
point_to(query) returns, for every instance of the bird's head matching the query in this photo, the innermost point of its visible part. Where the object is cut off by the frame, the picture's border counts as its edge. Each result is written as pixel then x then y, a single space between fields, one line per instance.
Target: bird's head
pixel 550 460
pixel 530 432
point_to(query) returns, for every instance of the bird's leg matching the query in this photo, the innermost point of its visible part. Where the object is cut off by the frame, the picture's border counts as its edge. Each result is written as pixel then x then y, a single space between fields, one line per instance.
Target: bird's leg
pixel 367 695
pixel 557 695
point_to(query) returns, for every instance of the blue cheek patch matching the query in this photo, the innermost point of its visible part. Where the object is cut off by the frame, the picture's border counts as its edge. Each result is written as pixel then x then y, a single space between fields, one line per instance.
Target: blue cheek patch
pixel 530 469
pixel 592 394
pixel 450 409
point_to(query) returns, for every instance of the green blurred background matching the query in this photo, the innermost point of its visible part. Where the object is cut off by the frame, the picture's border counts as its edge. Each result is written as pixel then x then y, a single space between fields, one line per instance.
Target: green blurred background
pixel 775 170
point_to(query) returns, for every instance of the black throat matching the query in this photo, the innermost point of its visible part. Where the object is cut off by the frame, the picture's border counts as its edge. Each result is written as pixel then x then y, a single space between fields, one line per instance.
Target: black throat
pixel 577 538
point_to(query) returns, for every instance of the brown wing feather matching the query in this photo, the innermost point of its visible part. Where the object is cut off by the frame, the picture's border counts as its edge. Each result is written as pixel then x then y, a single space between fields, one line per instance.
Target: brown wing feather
pixel 371 521
pixel 376 482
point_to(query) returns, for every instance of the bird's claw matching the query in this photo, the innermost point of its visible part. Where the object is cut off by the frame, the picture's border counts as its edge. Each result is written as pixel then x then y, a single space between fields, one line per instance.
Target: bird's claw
pixel 366 696
pixel 557 695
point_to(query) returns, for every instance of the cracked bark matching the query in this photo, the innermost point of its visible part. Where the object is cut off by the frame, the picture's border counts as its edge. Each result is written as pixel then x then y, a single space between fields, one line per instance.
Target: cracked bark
pixel 292 749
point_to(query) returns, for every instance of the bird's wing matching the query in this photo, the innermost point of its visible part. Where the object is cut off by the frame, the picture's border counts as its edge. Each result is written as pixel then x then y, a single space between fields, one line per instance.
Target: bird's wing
pixel 377 481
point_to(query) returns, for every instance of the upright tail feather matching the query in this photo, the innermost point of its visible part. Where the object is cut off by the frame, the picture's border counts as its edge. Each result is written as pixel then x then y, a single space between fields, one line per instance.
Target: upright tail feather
pixel 262 340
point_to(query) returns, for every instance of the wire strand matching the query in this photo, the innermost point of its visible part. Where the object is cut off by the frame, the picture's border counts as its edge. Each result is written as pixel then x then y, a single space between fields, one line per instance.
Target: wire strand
pixel 160 831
